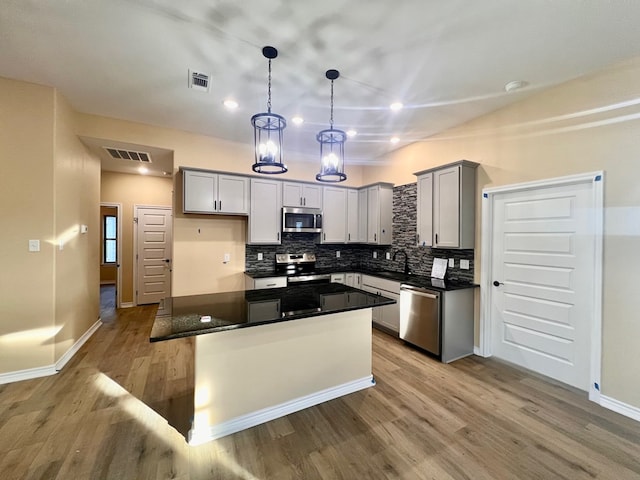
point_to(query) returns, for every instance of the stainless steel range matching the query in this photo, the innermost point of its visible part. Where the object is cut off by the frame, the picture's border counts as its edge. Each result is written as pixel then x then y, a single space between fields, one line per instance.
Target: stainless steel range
pixel 299 268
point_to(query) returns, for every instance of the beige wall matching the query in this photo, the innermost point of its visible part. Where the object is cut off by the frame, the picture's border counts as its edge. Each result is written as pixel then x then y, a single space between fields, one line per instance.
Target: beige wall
pixel 553 134
pixel 77 202
pixel 200 241
pixel 27 212
pixel 49 186
pixel 131 190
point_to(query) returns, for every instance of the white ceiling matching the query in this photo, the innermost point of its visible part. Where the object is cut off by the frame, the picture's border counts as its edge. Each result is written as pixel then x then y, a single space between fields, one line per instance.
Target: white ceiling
pixel 447 61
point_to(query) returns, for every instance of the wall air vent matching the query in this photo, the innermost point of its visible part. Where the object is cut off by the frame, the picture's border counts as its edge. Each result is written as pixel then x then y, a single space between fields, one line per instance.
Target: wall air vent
pixel 119 154
pixel 199 81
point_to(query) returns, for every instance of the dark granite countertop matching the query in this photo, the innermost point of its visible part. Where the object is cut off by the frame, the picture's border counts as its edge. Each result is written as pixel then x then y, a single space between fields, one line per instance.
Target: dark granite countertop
pixel 249 308
pixel 415 280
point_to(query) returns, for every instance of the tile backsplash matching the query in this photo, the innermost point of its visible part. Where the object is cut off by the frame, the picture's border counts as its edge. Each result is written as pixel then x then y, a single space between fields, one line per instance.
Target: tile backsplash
pixel 353 257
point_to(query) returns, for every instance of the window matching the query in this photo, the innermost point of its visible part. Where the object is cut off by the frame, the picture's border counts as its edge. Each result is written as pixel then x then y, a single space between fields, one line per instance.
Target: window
pixel 110 237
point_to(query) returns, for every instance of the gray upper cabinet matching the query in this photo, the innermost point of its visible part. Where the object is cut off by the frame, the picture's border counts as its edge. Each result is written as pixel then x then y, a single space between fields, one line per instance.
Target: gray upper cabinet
pixel 265 218
pixel 363 209
pixel 352 216
pixel 380 214
pixel 453 205
pixel 334 215
pixel 424 237
pixel 301 195
pixel 211 192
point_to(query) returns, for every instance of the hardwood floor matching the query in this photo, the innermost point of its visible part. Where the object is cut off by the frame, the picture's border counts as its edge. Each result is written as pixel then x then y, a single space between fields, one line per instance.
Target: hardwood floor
pixel 103 417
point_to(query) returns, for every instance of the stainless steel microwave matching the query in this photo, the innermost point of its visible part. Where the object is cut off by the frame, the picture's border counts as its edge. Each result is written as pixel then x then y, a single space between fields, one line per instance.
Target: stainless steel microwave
pixel 305 220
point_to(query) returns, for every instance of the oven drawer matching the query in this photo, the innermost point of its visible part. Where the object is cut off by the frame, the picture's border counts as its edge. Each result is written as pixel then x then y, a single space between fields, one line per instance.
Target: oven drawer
pixel 269 282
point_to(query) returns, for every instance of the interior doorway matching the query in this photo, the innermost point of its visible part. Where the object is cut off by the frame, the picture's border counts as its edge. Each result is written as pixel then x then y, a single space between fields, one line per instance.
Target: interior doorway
pixel 110 253
pixel 542 277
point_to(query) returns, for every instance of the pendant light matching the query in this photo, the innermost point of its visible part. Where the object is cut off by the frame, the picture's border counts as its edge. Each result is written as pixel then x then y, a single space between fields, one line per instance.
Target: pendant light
pixel 331 146
pixel 267 132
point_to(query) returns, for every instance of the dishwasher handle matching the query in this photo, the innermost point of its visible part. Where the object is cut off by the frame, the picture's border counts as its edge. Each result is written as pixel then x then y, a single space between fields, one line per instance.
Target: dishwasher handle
pixel 419 291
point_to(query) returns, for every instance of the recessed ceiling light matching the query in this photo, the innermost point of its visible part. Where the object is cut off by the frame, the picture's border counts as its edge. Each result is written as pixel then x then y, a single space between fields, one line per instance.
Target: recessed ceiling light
pixel 143 170
pixel 395 106
pixel 297 120
pixel 515 85
pixel 394 140
pixel 352 133
pixel 230 104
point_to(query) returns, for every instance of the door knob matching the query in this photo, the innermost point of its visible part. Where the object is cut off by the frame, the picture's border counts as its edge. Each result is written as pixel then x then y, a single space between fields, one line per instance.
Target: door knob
pixel 497 283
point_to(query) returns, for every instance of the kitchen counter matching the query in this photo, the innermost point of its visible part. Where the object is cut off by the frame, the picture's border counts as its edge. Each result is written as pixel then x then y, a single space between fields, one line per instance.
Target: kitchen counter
pixel 250 308
pixel 307 344
pixel 415 280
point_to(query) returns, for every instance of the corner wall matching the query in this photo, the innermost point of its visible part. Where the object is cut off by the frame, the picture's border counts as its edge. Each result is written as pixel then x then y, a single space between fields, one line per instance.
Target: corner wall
pixel 76 201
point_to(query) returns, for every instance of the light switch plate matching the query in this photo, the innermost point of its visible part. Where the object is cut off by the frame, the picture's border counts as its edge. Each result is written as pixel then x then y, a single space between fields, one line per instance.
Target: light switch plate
pixel 464 264
pixel 337 253
pixel 260 256
pixel 34 245
pixel 375 254
pixel 452 262
pixel 227 257
pixel 388 255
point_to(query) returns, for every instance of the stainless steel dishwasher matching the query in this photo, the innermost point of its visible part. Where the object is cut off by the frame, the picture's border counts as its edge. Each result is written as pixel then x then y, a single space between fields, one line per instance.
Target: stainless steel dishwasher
pixel 420 317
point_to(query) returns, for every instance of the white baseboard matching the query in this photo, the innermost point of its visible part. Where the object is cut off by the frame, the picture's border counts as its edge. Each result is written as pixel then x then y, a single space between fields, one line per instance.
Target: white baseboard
pixel 31 373
pixel 620 407
pixel 476 351
pixel 127 305
pixel 267 414
pixel 28 374
pixel 68 355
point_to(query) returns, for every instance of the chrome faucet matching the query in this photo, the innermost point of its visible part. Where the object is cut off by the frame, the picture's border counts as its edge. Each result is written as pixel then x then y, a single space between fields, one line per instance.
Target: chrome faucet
pixel 406 261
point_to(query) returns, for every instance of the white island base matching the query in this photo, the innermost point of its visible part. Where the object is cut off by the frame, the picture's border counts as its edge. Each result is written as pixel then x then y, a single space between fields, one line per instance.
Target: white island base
pixel 248 376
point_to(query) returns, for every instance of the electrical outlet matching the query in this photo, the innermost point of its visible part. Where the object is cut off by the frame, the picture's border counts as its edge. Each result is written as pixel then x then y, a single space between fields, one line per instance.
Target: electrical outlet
pixel 227 258
pixel 337 253
pixel 260 256
pixel 452 262
pixel 464 264
pixel 375 254
pixel 388 255
pixel 34 245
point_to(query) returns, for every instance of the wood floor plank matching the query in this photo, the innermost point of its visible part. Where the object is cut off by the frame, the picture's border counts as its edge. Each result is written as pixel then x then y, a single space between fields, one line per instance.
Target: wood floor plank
pixel 122 405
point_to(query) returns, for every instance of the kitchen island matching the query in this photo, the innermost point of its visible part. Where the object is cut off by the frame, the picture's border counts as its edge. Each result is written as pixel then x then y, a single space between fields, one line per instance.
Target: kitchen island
pixel 262 354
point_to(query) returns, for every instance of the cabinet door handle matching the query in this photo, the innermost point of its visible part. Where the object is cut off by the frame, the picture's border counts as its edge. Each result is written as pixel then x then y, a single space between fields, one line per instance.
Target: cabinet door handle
pixel 278 236
pixel 324 236
pixel 349 237
pixel 220 205
pixel 418 238
pixel 215 203
pixel 304 201
pixel 375 237
pixel 301 204
pixel 436 238
pixel 271 284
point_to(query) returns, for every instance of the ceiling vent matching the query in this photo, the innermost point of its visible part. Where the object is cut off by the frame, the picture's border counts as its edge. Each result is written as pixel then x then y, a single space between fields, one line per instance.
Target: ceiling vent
pixel 199 81
pixel 128 155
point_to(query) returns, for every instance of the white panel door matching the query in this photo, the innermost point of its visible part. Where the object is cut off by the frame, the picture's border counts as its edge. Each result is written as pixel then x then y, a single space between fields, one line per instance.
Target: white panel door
pixel 153 254
pixel 543 260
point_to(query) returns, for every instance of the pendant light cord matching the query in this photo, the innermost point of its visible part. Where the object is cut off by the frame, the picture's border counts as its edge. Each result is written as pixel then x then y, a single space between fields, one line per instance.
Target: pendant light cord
pixel 331 120
pixel 269 90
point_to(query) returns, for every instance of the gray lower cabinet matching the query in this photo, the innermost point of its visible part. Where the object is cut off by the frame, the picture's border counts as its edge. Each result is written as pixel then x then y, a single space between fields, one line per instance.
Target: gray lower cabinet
pixel 456 324
pixel 268 310
pixel 388 316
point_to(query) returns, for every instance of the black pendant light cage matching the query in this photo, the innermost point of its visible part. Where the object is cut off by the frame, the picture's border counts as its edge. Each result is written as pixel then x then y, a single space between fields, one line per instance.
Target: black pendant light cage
pixel 331 146
pixel 267 132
